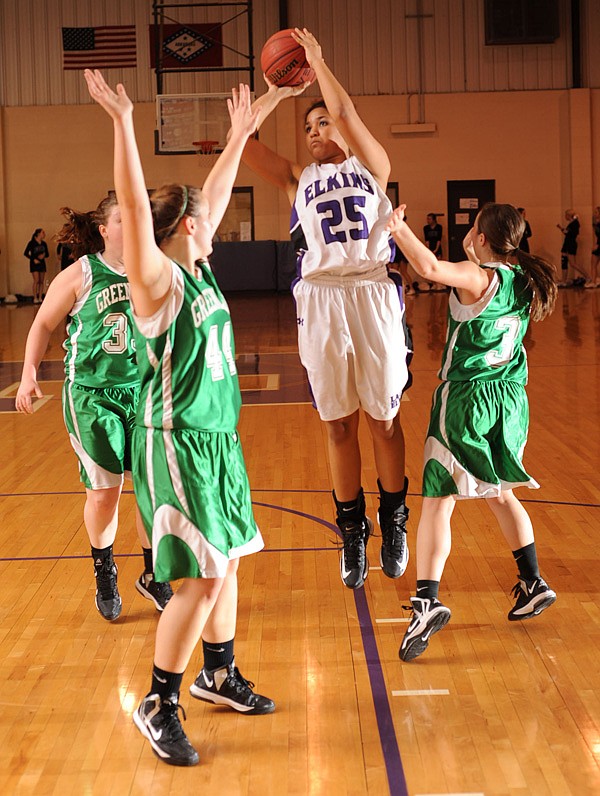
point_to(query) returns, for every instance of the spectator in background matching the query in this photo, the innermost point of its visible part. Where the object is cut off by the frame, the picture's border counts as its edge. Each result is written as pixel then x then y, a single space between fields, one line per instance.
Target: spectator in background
pixel 568 260
pixel 432 235
pixel 524 244
pixel 593 281
pixel 64 251
pixel 37 253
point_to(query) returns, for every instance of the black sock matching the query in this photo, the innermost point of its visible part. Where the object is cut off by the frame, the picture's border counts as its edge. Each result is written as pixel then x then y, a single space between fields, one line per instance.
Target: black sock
pixel 428 589
pixel 217 655
pixel 526 558
pixel 390 501
pixel 351 509
pixel 166 684
pixel 100 554
pixel 148 563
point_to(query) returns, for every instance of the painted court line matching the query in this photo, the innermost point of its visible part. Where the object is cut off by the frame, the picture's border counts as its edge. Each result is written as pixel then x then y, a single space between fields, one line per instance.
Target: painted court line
pixel 392 621
pixel 383 713
pixel 423 692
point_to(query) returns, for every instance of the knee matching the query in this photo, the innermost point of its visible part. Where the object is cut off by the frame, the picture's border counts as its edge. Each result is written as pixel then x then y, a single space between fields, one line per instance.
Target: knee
pixel 340 431
pixel 384 430
pixel 103 501
pixel 499 502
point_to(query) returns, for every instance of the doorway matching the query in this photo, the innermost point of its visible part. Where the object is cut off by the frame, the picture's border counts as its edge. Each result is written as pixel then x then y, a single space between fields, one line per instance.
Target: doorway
pixel 465 200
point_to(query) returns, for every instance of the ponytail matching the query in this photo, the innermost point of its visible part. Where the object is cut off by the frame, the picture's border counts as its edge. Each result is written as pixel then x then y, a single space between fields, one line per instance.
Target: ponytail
pixel 80 231
pixel 541 279
pixel 503 227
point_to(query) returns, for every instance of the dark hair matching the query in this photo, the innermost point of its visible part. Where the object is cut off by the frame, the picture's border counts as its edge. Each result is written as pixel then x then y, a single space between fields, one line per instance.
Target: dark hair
pixel 320 103
pixel 503 227
pixel 432 215
pixel 521 209
pixel 170 203
pixel 36 232
pixel 80 230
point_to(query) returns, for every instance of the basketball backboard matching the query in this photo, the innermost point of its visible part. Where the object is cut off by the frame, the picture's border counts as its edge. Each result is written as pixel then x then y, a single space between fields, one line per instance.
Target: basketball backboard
pixel 182 119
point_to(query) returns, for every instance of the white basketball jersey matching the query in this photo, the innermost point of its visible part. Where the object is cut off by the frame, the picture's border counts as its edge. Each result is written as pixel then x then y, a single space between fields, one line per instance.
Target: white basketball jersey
pixel 342 213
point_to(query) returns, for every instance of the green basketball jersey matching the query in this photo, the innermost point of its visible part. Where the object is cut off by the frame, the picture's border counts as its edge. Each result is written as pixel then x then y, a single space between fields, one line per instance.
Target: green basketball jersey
pixel 100 345
pixel 485 339
pixel 186 358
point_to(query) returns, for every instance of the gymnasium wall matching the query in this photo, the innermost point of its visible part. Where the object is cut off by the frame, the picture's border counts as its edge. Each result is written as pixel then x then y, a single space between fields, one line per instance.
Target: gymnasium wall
pixel 503 113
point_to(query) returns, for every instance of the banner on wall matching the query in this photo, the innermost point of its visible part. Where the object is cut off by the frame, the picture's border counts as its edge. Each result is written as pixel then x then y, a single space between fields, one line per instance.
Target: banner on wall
pixel 187 45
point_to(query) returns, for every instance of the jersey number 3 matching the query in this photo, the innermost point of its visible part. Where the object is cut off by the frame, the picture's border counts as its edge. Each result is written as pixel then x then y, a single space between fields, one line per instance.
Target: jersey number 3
pixel 510 327
pixel 117 344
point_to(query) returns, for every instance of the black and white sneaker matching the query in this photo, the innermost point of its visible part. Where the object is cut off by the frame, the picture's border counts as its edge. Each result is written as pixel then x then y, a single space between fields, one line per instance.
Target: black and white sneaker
pixel 354 564
pixel 532 597
pixel 226 686
pixel 158 721
pixel 108 599
pixel 159 593
pixel 429 616
pixel 394 548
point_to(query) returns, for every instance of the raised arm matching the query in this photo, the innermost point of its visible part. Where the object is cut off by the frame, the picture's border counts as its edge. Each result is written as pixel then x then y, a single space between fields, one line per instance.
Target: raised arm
pixel 273 168
pixel 148 268
pixel 467 277
pixel 60 298
pixel 217 186
pixel 341 109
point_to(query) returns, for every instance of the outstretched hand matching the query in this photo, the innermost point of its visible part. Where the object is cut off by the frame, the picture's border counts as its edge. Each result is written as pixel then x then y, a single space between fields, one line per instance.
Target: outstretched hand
pixel 396 220
pixel 283 92
pixel 116 104
pixel 244 120
pixel 312 48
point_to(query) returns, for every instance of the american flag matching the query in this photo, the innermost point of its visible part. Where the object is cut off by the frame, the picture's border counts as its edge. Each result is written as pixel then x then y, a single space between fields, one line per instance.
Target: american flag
pixel 99 48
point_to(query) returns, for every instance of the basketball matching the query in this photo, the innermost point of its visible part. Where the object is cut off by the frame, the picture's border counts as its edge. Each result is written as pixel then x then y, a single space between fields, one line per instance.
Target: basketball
pixel 284 61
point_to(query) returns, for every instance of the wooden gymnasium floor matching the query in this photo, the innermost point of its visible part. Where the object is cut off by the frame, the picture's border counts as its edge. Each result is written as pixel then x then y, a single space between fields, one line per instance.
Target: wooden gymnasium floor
pixel 493 707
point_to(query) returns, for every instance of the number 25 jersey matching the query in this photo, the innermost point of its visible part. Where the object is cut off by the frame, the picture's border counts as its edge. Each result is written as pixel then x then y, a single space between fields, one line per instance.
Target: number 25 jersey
pixel 341 211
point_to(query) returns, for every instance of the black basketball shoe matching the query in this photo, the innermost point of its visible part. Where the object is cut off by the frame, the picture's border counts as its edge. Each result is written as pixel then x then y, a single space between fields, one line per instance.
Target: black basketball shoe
pixel 429 616
pixel 159 593
pixel 226 686
pixel 394 548
pixel 532 597
pixel 158 721
pixel 108 599
pixel 354 564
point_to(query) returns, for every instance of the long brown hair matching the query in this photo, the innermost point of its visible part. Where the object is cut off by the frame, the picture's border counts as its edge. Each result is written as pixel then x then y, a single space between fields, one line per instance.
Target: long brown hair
pixel 80 231
pixel 170 203
pixel 503 227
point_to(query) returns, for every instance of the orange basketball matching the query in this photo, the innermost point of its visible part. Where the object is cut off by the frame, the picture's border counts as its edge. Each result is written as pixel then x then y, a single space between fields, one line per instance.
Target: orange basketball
pixel 284 61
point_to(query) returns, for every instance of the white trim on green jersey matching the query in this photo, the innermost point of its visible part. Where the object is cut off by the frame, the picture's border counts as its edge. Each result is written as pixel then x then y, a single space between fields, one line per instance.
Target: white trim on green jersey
pixel 485 339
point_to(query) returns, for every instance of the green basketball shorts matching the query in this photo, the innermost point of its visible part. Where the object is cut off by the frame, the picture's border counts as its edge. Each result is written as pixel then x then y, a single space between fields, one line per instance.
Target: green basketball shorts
pixel 476 438
pixel 194 497
pixel 100 425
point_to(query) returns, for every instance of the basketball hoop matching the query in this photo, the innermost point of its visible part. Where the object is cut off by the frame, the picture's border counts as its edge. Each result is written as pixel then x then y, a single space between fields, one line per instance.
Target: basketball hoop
pixel 205 149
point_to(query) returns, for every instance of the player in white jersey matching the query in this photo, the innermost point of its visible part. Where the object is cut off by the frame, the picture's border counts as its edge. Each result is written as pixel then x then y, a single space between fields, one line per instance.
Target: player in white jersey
pixel 188 467
pixel 101 386
pixel 349 312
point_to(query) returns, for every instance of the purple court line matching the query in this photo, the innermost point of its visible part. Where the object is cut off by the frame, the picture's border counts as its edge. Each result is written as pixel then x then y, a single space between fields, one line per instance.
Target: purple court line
pixel 385 723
